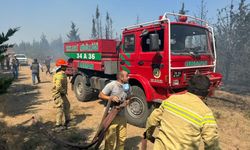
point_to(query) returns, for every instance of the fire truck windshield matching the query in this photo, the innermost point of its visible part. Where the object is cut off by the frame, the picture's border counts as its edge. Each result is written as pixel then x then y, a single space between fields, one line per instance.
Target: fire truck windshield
pixel 188 39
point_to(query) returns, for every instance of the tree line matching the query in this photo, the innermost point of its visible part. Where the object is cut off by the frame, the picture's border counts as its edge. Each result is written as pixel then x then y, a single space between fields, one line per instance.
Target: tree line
pixel 233 45
pixel 42 48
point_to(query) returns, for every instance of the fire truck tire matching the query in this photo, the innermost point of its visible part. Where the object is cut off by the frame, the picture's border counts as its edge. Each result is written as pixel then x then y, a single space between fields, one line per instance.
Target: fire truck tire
pixel 81 90
pixel 138 109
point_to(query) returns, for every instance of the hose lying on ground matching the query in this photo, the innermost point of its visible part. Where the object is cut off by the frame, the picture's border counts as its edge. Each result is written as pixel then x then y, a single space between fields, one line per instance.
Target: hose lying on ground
pixel 103 127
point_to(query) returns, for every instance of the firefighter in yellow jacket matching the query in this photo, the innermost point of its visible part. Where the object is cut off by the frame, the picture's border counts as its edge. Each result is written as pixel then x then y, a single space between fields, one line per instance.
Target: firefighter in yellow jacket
pixel 183 120
pixel 59 92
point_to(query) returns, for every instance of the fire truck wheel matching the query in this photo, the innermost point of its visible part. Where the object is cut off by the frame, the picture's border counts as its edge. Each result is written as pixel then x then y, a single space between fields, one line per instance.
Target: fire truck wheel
pixel 138 109
pixel 82 91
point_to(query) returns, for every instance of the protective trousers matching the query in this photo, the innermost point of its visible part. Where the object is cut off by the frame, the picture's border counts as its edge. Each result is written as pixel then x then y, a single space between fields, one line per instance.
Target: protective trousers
pixel 62 111
pixel 116 135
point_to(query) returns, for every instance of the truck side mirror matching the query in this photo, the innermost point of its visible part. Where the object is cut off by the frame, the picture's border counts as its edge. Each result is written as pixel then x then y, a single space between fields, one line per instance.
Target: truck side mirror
pixel 154 42
pixel 118 46
pixel 144 33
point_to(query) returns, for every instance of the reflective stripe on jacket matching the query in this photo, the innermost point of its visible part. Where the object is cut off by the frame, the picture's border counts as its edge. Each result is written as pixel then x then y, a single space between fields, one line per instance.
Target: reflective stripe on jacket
pixel 183 120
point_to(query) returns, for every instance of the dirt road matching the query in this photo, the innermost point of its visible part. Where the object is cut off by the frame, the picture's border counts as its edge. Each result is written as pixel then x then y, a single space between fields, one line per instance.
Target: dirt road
pixel 24 101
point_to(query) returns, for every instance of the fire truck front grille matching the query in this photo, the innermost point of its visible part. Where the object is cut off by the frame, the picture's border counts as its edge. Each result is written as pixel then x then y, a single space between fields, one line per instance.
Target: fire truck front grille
pixel 190 72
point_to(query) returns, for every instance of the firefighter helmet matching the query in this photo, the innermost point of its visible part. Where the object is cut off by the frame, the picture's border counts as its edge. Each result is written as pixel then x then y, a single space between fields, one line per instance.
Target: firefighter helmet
pixel 61 62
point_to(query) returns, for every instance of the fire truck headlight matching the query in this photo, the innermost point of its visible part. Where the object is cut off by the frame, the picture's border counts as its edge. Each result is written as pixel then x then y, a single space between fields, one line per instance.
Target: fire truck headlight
pixel 176 82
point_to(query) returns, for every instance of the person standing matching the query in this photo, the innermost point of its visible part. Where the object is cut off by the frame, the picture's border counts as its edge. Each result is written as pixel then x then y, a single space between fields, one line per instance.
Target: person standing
pixel 59 95
pixel 8 62
pixel 47 64
pixel 117 92
pixel 35 67
pixel 15 67
pixel 184 119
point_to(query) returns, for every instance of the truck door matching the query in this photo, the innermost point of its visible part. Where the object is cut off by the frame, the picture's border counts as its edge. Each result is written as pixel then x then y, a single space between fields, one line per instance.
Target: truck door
pixel 151 62
pixel 128 53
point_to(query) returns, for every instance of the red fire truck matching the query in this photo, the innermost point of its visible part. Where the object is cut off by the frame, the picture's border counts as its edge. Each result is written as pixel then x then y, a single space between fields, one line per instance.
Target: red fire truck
pixel 160 57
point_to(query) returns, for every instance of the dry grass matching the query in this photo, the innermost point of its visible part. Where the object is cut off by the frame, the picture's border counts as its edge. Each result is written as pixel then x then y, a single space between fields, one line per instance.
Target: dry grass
pixel 217 114
pixel 247 114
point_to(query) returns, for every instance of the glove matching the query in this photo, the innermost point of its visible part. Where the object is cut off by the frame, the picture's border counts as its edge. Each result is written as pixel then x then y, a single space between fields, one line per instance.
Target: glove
pixel 114 99
pixel 149 137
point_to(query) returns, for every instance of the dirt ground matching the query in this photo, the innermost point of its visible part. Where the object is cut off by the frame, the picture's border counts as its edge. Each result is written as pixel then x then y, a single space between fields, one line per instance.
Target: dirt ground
pixel 24 101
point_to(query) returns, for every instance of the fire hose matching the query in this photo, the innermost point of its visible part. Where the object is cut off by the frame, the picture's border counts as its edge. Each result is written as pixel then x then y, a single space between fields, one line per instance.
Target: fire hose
pixel 103 127
pixel 107 119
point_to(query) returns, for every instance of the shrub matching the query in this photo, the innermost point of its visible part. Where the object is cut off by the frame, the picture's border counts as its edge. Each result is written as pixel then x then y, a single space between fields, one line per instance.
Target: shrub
pixel 5 82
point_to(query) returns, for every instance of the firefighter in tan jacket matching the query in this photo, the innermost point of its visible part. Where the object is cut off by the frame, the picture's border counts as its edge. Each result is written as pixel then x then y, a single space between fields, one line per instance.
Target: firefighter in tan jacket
pixel 59 92
pixel 184 120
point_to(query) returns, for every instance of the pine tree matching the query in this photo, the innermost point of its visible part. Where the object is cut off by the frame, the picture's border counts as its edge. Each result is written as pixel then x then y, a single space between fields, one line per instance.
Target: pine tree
pixel 107 26
pixel 73 34
pixel 202 12
pixel 97 17
pixel 44 42
pixel 4 38
pixel 98 29
pixel 182 10
pixel 111 28
pixel 94 33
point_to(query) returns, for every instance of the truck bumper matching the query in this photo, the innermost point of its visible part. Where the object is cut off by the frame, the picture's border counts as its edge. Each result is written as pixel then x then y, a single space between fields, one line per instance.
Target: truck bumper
pixel 216 81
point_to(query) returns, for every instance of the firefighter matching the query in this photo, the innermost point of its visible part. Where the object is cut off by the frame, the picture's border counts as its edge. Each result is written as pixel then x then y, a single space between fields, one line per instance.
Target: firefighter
pixel 184 119
pixel 47 64
pixel 117 92
pixel 59 95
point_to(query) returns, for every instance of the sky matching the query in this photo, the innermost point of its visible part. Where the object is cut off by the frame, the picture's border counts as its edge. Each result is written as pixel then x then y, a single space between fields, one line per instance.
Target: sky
pixel 54 17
